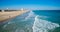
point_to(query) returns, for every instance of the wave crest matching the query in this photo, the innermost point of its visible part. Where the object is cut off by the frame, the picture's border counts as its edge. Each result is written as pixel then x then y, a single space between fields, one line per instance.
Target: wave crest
pixel 43 25
pixel 31 15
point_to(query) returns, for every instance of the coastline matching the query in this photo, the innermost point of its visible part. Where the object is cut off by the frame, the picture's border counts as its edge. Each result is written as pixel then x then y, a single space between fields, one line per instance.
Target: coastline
pixel 8 15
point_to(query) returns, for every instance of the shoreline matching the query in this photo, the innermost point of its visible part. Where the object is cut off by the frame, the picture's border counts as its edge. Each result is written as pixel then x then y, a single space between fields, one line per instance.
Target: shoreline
pixel 8 15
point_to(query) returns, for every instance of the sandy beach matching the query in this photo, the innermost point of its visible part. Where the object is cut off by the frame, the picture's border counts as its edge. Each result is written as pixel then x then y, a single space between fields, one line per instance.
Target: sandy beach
pixel 7 15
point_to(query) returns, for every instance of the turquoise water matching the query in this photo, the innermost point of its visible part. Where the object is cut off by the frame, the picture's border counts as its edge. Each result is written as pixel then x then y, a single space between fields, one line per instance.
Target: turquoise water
pixel 33 21
pixel 47 21
pixel 53 15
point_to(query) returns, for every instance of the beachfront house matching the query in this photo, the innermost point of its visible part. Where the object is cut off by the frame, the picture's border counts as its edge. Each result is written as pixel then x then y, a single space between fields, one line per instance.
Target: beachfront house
pixel 2 10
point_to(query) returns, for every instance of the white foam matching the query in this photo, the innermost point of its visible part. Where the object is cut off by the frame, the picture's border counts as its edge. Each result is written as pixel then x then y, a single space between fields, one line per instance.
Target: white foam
pixel 30 15
pixel 43 25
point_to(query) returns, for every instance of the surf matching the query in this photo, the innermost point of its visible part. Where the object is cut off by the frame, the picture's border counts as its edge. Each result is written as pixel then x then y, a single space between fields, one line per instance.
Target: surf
pixel 43 25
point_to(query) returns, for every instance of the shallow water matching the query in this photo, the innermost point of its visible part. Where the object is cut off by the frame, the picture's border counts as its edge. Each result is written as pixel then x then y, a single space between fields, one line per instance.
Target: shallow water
pixel 32 20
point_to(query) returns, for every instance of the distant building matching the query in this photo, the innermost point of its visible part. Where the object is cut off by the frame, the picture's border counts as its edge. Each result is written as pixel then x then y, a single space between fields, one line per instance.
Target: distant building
pixel 2 10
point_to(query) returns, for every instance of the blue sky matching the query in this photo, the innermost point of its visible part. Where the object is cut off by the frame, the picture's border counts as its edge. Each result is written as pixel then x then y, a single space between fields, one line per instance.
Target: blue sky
pixel 30 4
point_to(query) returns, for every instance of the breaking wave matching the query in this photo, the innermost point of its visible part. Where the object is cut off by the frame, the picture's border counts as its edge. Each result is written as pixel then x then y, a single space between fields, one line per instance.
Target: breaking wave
pixel 29 22
pixel 21 23
pixel 43 25
pixel 31 15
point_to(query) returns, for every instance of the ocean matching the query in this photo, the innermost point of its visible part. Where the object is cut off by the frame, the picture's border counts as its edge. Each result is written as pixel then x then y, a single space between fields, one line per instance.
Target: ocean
pixel 33 21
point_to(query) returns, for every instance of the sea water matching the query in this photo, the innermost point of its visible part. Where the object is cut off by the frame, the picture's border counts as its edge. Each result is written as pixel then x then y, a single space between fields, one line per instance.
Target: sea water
pixel 34 21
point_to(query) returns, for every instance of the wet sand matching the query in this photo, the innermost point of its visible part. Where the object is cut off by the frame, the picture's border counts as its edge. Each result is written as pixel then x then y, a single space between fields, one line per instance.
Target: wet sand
pixel 8 15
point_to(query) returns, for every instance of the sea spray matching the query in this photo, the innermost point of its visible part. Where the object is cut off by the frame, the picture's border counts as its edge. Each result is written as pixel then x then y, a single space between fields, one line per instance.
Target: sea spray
pixel 43 25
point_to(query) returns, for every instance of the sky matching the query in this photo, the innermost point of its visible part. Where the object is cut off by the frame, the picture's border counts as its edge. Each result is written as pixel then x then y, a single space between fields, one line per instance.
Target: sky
pixel 30 4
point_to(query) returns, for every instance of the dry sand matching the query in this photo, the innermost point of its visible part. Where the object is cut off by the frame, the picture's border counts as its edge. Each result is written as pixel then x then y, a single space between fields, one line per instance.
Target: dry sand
pixel 7 15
